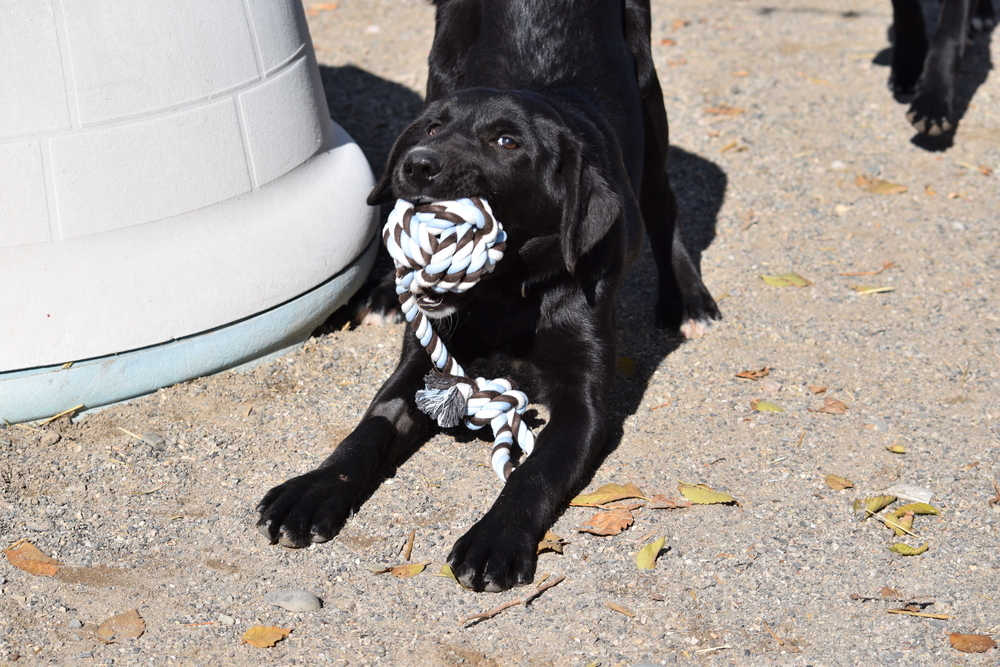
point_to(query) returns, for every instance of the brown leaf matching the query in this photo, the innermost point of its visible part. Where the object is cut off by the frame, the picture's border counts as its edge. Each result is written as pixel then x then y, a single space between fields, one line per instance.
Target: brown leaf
pixel 887 592
pixel 667 42
pixel 662 502
pixel 608 494
pixel 817 389
pixel 551 542
pixel 831 407
pixel 971 643
pixel 607 523
pixel 878 186
pixel 128 625
pixel 837 483
pixel 754 375
pixel 265 636
pixel 28 557
pixel 404 571
pixel 620 609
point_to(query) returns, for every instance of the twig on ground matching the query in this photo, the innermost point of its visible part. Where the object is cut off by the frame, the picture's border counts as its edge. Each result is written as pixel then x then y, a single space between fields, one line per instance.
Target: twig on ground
pixel 776 637
pixel 61 414
pixel 922 614
pixel 476 618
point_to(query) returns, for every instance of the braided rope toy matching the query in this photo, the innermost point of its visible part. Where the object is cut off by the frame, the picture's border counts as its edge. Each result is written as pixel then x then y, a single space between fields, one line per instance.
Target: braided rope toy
pixel 447 246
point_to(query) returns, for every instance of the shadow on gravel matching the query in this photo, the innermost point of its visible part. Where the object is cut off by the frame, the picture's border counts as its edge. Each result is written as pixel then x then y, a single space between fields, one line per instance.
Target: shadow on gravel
pixel 976 66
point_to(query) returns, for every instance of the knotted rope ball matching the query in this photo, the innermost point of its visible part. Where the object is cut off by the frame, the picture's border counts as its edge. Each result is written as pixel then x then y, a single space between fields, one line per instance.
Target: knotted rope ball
pixel 447 246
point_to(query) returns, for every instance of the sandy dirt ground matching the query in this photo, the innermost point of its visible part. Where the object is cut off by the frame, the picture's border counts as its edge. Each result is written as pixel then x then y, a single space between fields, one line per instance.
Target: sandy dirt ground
pixel 776 107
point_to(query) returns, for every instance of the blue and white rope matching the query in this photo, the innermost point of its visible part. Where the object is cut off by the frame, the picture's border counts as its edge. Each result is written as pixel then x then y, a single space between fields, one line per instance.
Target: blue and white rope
pixel 447 246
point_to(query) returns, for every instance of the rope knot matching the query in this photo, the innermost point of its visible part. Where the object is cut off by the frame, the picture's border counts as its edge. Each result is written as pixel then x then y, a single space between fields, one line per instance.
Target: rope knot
pixel 447 246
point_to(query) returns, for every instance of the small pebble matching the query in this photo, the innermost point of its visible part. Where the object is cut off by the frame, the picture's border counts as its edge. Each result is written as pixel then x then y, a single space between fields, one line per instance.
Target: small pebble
pixel 297 601
pixel 38 526
pixel 75 624
pixel 226 620
pixel 153 439
pixel 50 438
pixel 85 654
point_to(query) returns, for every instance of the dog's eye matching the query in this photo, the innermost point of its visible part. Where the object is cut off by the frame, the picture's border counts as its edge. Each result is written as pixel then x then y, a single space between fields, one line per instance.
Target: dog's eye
pixel 433 129
pixel 507 142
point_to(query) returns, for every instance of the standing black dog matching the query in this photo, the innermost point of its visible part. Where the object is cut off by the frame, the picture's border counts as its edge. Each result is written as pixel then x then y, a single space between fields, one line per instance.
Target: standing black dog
pixel 927 70
pixel 551 111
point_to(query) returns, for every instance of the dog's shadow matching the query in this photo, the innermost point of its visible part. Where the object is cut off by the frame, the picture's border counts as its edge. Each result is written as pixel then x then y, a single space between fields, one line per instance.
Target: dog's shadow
pixel 976 66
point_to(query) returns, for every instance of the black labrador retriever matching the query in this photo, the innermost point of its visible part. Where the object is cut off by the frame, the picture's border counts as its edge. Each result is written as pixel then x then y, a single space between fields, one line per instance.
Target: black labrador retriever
pixel 552 112
pixel 927 70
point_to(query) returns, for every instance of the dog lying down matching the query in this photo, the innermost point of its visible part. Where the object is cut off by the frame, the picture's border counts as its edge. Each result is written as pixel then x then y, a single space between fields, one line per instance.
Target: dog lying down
pixel 551 111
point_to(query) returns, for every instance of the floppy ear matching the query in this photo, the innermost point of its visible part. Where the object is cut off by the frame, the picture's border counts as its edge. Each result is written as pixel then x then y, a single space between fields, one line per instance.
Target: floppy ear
pixel 382 192
pixel 590 203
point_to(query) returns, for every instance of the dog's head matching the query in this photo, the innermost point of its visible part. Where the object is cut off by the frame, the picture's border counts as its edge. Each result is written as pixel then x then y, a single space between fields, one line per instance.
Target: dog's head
pixel 548 174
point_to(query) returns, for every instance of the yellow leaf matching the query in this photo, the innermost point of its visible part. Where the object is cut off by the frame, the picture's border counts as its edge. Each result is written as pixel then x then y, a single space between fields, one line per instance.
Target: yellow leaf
pixel 896 449
pixel 626 366
pixel 906 550
pixel 765 406
pixel 265 636
pixel 904 524
pixel 916 508
pixel 875 504
pixel 646 558
pixel 607 523
pixel 404 571
pixel 700 494
pixel 607 494
pixel 787 280
pixel 122 626
pixel 878 186
pixel 28 557
pixel 864 289
pixel 837 483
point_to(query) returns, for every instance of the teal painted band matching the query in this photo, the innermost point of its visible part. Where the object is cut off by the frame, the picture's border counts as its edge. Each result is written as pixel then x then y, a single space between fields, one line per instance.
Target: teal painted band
pixel 38 393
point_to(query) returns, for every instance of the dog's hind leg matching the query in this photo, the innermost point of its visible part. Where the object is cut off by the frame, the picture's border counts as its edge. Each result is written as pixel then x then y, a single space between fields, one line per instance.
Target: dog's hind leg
pixel 931 109
pixel 909 47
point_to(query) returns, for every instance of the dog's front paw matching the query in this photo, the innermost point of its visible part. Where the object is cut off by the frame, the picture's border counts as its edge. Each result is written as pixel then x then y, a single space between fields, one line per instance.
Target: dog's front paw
pixel 929 114
pixel 494 556
pixel 306 509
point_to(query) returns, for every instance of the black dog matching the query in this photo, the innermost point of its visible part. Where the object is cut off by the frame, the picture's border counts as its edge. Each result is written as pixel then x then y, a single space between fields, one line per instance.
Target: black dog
pixel 551 111
pixel 927 70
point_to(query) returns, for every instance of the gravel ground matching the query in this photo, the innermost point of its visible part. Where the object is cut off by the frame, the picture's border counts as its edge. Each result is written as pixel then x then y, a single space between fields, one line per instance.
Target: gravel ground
pixel 149 505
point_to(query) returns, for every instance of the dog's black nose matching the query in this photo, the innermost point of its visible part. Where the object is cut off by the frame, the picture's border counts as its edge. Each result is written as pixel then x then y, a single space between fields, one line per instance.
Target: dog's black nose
pixel 421 166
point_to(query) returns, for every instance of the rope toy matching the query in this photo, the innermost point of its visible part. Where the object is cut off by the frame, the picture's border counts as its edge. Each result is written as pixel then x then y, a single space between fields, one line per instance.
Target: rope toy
pixel 447 246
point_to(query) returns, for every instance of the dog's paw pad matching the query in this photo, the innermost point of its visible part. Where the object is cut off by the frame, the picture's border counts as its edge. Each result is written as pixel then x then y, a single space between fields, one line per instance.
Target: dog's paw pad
pixel 693 328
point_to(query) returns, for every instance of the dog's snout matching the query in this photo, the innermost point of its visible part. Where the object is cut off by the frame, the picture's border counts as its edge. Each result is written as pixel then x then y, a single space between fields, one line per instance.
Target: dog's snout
pixel 421 166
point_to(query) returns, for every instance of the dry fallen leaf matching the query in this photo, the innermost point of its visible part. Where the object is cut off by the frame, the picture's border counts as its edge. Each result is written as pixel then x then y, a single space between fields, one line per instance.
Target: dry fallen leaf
pixel 755 375
pixel 620 609
pixel 551 542
pixel 646 558
pixel 608 494
pixel 128 625
pixel 878 186
pixel 838 483
pixel 662 502
pixel 765 406
pixel 971 643
pixel 868 289
pixel 265 636
pixel 28 557
pixel 790 279
pixel 904 524
pixel 906 550
pixel 404 571
pixel 916 508
pixel 816 389
pixel 700 494
pixel 896 449
pixel 314 10
pixel 831 406
pixel 873 504
pixel 607 523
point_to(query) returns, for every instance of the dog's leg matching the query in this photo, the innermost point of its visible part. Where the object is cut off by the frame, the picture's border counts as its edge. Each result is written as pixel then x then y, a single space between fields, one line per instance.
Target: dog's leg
pixel 984 17
pixel 575 365
pixel 909 47
pixel 931 109
pixel 313 507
